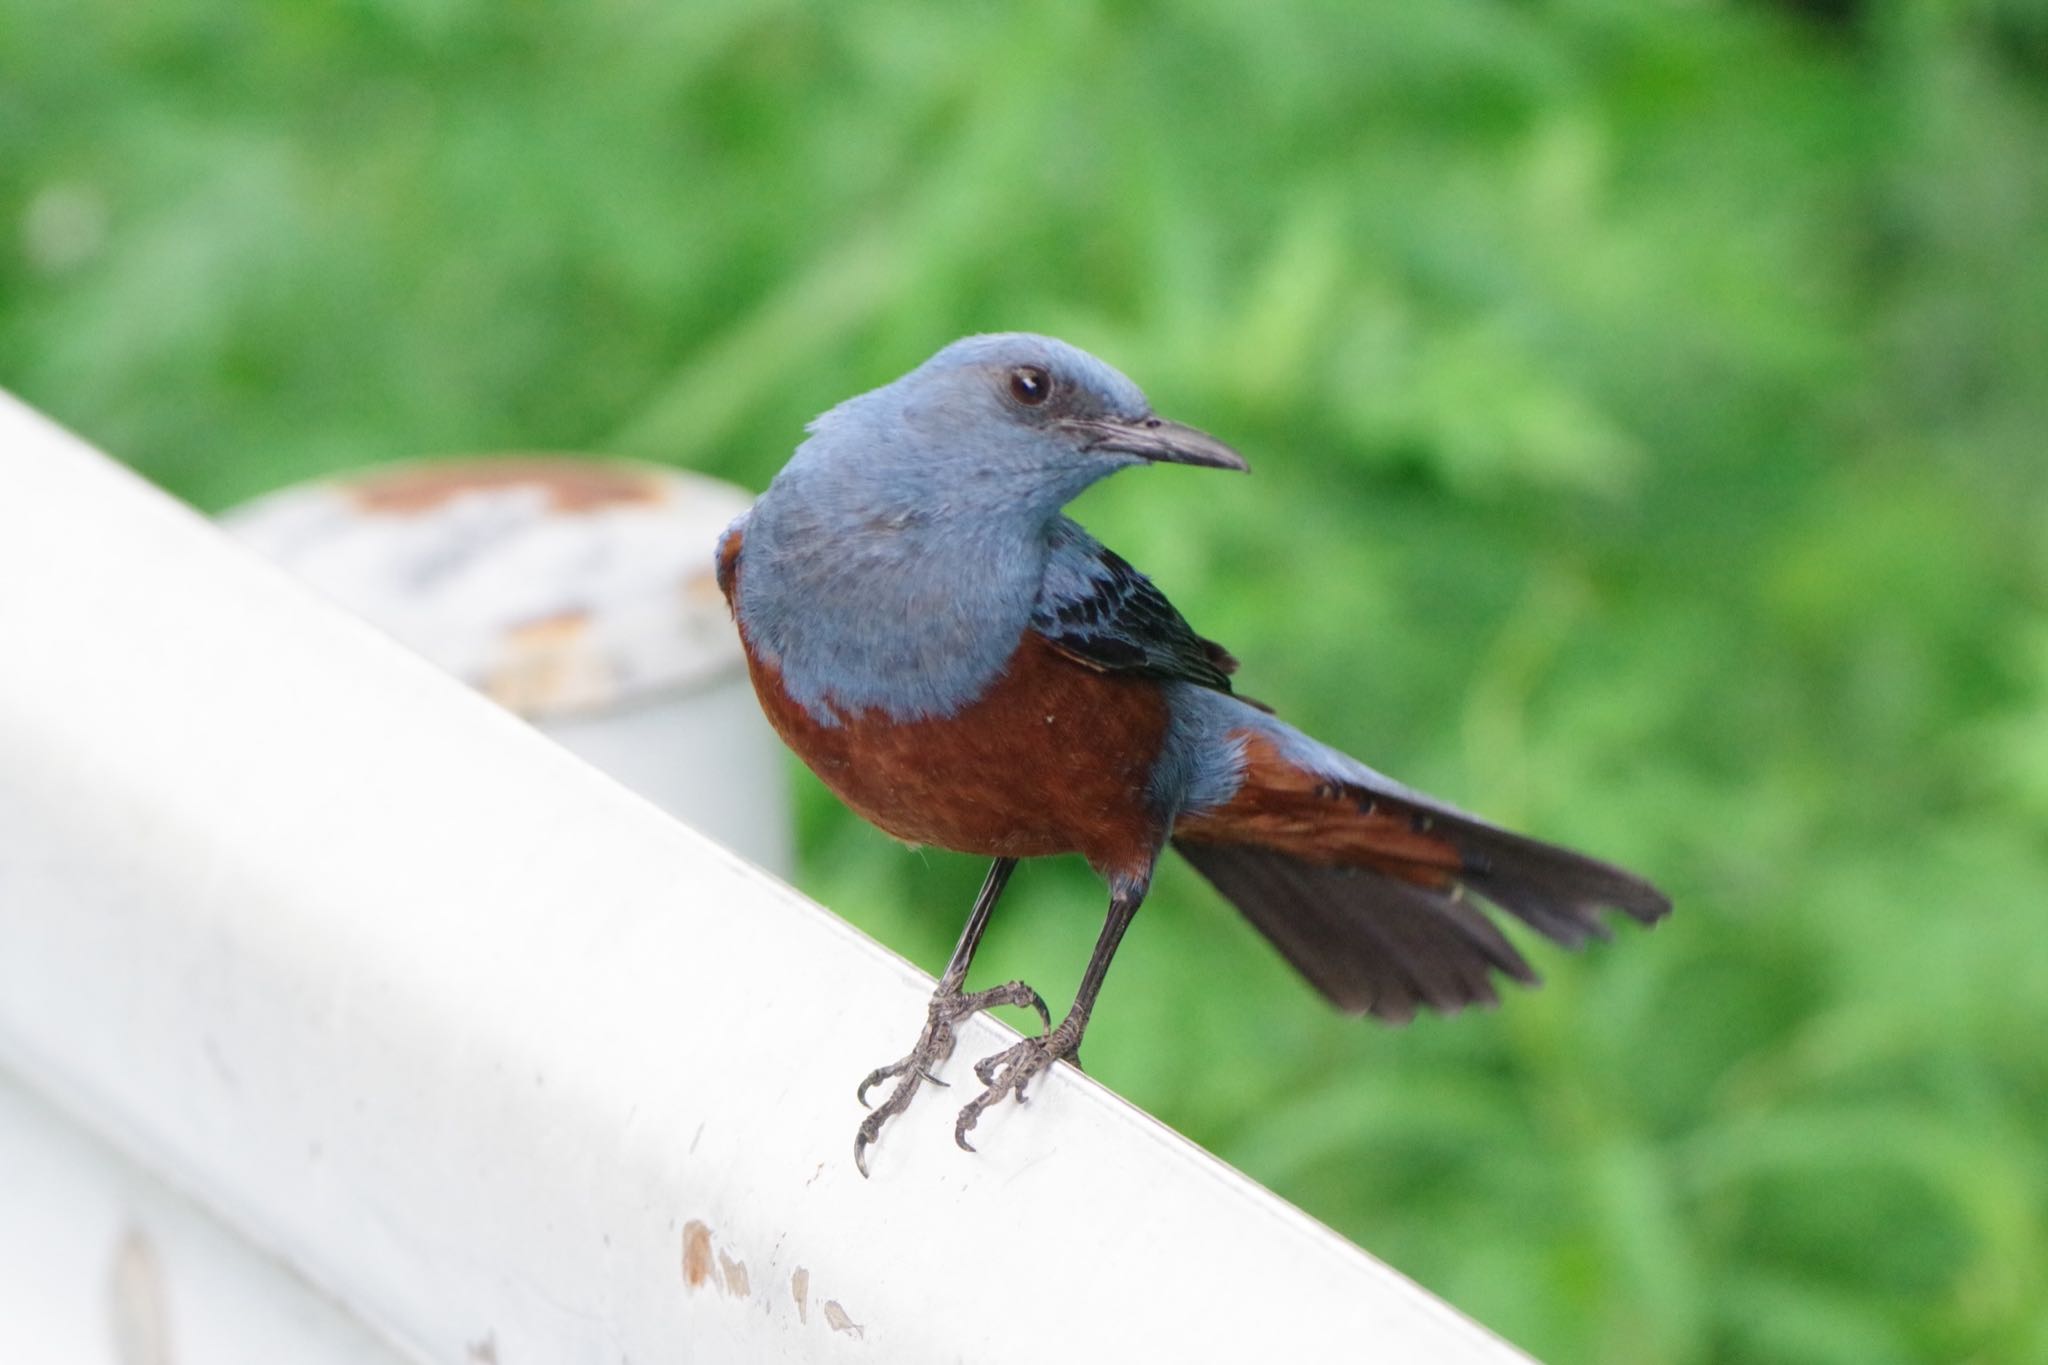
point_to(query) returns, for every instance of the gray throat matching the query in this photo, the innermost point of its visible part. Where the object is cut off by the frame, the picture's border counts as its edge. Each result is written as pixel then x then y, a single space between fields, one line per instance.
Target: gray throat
pixel 911 614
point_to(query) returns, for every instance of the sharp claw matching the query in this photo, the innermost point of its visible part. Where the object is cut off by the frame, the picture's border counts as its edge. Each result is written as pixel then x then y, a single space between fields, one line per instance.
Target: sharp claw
pixel 860 1096
pixel 864 1137
pixel 1010 1073
pixel 1044 1015
pixel 943 1085
pixel 998 1074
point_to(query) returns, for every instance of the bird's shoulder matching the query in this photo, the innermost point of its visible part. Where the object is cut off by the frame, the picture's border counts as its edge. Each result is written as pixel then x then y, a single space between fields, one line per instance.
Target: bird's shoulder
pixel 1099 611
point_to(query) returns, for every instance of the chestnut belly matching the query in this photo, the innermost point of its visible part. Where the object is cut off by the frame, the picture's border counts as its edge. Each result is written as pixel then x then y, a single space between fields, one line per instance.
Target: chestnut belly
pixel 1054 758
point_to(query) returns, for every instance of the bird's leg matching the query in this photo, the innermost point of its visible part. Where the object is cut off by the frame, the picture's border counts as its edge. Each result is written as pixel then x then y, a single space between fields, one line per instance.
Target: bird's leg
pixel 1009 1071
pixel 948 1006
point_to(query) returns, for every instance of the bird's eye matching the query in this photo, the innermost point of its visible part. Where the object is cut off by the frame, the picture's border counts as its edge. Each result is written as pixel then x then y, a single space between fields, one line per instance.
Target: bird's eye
pixel 1030 385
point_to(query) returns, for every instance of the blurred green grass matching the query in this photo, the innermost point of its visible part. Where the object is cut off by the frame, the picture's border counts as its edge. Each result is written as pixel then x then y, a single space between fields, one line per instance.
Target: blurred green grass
pixel 1648 406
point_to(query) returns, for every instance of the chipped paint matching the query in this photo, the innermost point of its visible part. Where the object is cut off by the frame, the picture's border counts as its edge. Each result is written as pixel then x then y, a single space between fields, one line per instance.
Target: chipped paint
pixel 547 664
pixel 735 1275
pixel 836 1316
pixel 141 1312
pixel 696 1253
pixel 706 1262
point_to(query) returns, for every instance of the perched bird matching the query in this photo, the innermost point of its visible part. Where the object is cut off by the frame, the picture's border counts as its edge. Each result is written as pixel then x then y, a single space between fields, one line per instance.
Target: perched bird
pixel 966 667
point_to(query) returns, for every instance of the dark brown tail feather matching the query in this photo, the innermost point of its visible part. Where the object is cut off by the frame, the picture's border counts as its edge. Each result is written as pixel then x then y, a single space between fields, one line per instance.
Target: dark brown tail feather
pixel 1375 943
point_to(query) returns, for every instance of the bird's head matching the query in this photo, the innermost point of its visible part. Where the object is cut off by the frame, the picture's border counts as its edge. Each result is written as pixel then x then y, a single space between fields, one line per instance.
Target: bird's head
pixel 999 424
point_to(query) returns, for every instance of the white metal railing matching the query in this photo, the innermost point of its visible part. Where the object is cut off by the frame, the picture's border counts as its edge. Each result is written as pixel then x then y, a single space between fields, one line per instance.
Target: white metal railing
pixel 101 1261
pixel 509 1064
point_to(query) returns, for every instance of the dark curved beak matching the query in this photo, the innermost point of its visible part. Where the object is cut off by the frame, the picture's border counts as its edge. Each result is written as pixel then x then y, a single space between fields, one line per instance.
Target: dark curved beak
pixel 1156 439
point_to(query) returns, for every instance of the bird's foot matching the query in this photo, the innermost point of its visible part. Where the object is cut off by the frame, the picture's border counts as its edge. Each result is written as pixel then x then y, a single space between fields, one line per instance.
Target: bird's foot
pixel 933 1046
pixel 1009 1071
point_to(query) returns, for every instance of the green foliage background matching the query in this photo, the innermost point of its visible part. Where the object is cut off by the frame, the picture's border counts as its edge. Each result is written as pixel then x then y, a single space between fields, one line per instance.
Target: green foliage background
pixel 1647 402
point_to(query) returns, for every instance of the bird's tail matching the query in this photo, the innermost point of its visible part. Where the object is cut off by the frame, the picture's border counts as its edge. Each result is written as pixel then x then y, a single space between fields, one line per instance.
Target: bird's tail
pixel 1367 886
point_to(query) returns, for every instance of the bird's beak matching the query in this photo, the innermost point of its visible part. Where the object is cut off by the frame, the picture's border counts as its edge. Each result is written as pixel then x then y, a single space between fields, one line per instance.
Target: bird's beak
pixel 1156 439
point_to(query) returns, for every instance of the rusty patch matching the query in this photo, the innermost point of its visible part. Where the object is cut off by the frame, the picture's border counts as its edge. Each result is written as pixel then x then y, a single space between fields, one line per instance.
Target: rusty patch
pixel 545 664
pixel 836 1315
pixel 571 485
pixel 735 1275
pixel 800 1290
pixel 696 1253
pixel 141 1316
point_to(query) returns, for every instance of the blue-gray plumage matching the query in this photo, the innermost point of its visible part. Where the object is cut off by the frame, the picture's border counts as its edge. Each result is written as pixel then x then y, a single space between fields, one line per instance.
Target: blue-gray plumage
pixel 968 667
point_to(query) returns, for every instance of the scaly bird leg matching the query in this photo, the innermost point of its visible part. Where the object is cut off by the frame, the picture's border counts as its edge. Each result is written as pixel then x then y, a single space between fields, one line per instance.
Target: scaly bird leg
pixel 1009 1071
pixel 948 1006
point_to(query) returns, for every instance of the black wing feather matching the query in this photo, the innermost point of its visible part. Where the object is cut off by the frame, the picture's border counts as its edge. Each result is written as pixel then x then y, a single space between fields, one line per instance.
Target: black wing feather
pixel 1102 612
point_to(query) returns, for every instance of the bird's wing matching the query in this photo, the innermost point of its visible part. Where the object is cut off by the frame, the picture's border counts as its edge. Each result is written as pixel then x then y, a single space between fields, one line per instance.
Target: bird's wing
pixel 1096 609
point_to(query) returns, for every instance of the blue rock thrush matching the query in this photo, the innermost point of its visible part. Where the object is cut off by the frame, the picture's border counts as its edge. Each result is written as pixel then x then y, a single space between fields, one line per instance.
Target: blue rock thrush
pixel 966 667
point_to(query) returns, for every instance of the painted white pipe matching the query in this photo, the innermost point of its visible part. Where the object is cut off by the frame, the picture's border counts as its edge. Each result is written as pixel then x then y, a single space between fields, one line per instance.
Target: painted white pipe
pixel 495 1052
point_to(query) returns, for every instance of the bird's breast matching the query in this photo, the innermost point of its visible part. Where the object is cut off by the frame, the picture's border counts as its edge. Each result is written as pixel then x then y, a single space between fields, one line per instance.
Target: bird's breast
pixel 918 619
pixel 1053 758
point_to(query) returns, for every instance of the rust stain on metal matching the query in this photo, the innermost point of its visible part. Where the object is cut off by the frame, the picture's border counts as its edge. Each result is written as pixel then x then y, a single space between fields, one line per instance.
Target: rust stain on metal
pixel 735 1275
pixel 545 664
pixel 696 1253
pixel 570 485
pixel 836 1316
pixel 800 1290
pixel 141 1315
